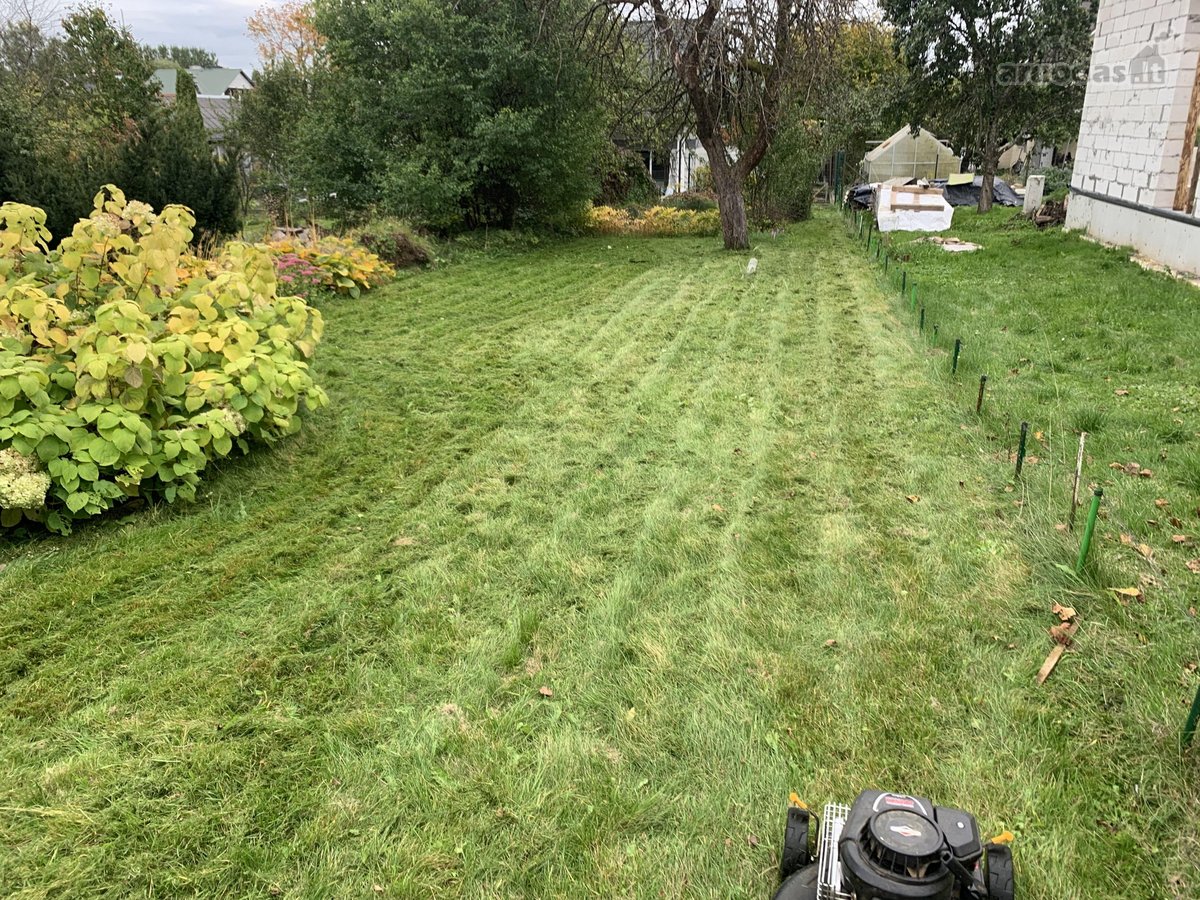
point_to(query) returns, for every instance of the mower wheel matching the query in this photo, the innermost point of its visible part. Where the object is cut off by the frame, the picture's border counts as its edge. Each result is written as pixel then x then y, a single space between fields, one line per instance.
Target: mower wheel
pixel 1000 873
pixel 801 885
pixel 795 843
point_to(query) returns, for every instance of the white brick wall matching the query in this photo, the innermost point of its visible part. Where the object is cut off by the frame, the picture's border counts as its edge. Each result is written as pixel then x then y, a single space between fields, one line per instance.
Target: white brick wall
pixel 1132 132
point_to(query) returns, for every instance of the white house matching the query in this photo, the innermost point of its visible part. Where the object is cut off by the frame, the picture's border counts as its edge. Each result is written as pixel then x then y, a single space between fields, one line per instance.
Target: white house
pixel 687 156
pixel 1136 167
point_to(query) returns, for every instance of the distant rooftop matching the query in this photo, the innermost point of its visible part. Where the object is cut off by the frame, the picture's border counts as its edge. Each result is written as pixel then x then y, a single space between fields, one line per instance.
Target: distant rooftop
pixel 216 82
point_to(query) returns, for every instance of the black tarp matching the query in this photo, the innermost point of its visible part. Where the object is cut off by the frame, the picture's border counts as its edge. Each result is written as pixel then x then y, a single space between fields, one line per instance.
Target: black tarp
pixel 862 196
pixel 968 194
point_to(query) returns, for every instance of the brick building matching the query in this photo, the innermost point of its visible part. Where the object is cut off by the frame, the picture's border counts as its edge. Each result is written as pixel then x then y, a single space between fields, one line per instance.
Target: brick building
pixel 1138 158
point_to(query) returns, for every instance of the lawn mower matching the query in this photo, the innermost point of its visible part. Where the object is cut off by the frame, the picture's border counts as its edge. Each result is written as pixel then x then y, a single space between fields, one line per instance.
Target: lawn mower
pixel 891 847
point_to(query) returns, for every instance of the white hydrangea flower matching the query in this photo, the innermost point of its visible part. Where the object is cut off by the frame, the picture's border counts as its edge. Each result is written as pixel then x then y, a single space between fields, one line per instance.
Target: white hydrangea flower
pixel 234 421
pixel 23 484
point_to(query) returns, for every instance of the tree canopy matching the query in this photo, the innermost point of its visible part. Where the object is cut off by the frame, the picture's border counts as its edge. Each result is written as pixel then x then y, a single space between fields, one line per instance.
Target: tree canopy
pixel 81 110
pixel 993 71
pixel 183 57
pixel 739 66
pixel 455 114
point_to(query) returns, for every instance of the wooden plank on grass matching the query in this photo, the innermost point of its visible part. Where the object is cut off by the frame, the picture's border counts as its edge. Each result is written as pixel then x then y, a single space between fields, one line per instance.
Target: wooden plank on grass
pixel 1056 654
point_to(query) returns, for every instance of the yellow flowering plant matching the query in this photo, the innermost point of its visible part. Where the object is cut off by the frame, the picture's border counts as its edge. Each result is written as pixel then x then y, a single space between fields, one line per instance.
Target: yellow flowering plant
pixel 344 267
pixel 657 221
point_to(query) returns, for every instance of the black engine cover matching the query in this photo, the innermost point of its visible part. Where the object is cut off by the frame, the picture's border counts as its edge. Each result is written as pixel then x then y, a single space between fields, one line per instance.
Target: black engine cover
pixel 892 844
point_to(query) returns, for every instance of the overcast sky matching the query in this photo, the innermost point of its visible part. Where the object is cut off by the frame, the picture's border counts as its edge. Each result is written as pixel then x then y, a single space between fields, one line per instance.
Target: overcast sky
pixel 216 25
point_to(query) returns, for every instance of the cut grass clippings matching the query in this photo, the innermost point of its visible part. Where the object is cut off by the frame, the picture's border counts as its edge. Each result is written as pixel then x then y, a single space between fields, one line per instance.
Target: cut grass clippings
pixel 595 555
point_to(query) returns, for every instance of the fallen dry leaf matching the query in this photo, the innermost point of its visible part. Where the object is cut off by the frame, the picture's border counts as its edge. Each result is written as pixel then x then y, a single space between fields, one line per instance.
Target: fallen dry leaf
pixel 1162 503
pixel 1180 539
pixel 1061 527
pixel 377 888
pixel 1121 392
pixel 1193 565
pixel 404 541
pixel 1144 549
pixel 1039 436
pixel 752 840
pixel 1131 468
pixel 913 498
pixel 1065 613
pixel 1146 473
pixel 1062 634
pixel 717 507
pixel 1124 595
pixel 831 643
pixel 1176 521
pixel 545 691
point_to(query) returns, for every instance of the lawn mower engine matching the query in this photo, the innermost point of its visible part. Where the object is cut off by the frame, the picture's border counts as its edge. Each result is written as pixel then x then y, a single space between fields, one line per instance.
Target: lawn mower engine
pixel 891 847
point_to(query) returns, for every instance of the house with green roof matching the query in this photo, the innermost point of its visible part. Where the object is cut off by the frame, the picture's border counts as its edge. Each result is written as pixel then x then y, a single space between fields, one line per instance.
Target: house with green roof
pixel 217 92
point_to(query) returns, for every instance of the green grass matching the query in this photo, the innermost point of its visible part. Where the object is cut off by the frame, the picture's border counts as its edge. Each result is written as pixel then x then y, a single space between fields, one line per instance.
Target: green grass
pixel 1074 337
pixel 672 495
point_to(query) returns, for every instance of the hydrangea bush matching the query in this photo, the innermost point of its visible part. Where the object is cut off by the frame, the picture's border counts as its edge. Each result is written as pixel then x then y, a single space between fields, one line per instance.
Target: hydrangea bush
pixel 127 365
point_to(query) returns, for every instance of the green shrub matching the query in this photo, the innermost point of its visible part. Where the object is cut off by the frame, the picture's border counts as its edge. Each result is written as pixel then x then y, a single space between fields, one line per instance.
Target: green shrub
pixel 1058 181
pixel 781 188
pixel 1058 178
pixel 126 366
pixel 624 179
pixel 696 201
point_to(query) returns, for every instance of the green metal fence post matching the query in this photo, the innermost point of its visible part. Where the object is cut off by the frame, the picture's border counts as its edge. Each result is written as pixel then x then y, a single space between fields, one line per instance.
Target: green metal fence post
pixel 1189 728
pixel 1086 544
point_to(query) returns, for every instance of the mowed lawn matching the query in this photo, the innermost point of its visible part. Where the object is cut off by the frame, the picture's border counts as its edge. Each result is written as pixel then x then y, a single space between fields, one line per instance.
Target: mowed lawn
pixel 598 551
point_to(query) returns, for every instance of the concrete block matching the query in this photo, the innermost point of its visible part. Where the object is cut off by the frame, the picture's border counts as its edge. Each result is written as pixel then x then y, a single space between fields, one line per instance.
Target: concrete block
pixel 1035 186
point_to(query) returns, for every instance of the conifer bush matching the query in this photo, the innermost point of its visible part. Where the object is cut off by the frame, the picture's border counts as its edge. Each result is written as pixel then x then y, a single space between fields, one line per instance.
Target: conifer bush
pixel 127 366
